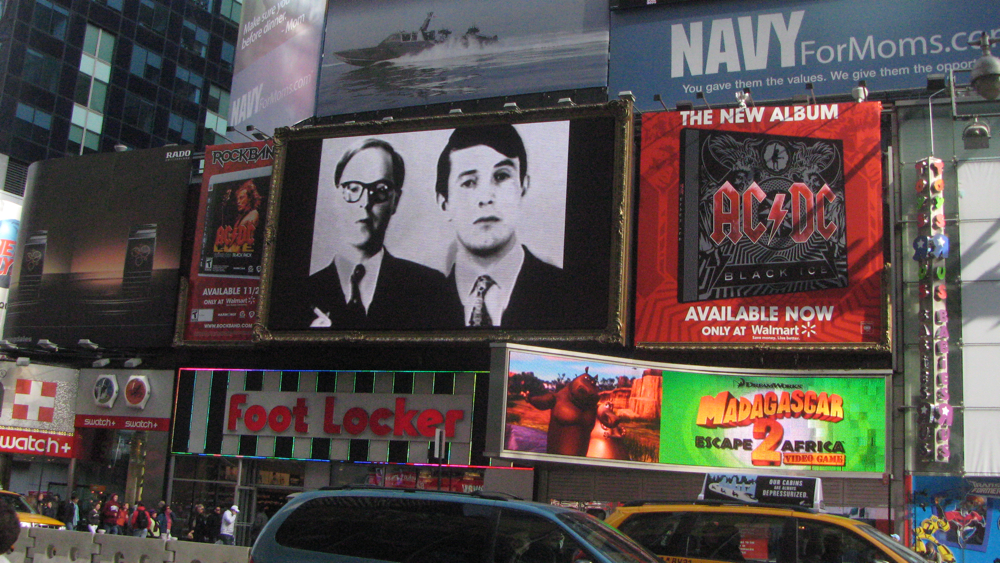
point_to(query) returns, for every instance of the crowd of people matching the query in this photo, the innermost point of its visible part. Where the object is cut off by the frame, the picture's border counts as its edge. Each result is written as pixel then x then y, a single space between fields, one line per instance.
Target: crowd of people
pixel 112 516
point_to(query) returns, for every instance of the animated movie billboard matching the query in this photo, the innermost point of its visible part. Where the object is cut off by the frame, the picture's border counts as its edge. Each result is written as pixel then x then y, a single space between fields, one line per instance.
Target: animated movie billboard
pixel 225 279
pixel 761 226
pixel 611 411
pixel 99 251
pixel 955 518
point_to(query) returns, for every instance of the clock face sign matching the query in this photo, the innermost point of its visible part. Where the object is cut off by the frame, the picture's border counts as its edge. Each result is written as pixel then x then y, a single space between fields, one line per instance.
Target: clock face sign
pixel 137 391
pixel 106 391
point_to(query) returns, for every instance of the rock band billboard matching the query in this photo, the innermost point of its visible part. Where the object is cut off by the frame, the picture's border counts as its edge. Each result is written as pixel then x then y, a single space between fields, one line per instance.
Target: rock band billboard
pixel 761 226
pixel 611 411
pixel 225 279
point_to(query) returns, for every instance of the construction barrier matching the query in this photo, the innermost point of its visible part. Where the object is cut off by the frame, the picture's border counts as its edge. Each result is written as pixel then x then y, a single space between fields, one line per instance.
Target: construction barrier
pixel 45 545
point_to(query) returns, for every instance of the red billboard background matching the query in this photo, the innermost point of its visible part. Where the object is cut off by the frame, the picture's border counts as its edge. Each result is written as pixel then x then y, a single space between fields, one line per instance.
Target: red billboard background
pixel 850 310
pixel 225 274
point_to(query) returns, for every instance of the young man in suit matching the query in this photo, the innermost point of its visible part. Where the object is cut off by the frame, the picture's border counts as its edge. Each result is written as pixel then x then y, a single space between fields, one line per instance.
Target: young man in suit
pixel 366 287
pixel 482 180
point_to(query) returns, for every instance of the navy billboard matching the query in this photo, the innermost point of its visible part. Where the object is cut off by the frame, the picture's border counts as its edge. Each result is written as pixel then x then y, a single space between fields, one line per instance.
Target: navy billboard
pixel 776 48
pixel 277 60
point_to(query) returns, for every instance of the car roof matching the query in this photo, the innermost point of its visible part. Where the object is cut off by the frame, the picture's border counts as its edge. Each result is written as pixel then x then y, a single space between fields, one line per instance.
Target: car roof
pixel 645 507
pixel 476 497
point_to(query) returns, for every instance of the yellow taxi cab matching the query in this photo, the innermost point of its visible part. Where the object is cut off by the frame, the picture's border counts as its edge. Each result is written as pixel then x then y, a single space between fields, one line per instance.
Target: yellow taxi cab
pixel 730 532
pixel 28 516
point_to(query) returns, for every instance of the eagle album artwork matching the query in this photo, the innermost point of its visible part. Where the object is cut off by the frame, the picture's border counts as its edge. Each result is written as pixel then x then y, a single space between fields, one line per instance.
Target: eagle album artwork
pixel 761 215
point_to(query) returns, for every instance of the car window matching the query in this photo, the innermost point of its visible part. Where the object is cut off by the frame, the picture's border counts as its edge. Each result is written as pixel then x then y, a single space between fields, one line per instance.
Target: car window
pixel 399 530
pixel 610 542
pixel 899 549
pixel 17 503
pixel 657 531
pixel 523 537
pixel 823 542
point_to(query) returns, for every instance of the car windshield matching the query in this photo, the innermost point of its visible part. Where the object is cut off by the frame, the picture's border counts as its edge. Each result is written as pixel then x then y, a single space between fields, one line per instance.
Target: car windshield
pixel 17 503
pixel 610 542
pixel 893 545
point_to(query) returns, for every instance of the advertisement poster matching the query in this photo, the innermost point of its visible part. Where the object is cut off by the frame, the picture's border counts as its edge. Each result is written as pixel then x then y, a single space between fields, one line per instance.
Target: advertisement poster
pixel 612 411
pixel 224 282
pixel 784 490
pixel 124 399
pixel 582 408
pixel 955 518
pixel 775 48
pixel 783 420
pixel 466 224
pixel 400 54
pixel 99 251
pixel 10 226
pixel 277 60
pixel 761 225
pixel 36 410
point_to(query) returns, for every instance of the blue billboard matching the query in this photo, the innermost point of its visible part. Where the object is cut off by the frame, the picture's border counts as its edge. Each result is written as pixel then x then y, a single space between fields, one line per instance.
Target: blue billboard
pixel 775 48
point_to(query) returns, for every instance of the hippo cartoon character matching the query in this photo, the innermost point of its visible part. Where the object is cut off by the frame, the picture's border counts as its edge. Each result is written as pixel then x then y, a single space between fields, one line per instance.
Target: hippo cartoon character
pixel 574 413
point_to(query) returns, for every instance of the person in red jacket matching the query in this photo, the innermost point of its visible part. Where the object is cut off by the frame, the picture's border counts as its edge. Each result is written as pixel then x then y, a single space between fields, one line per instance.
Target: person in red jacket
pixel 109 515
pixel 140 521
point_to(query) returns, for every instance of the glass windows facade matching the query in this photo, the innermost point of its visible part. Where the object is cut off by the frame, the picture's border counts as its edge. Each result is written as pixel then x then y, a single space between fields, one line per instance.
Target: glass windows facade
pixel 71 86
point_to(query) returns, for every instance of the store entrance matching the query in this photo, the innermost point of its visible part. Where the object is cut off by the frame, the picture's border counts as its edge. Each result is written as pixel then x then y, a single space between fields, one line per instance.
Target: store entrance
pixel 266 502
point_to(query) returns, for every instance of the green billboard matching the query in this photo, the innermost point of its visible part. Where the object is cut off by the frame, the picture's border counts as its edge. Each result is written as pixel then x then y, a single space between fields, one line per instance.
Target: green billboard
pixel 572 407
pixel 787 420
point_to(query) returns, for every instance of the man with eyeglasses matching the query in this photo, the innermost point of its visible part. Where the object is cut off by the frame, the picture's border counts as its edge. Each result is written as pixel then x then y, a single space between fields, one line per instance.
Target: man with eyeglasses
pixel 366 287
pixel 482 180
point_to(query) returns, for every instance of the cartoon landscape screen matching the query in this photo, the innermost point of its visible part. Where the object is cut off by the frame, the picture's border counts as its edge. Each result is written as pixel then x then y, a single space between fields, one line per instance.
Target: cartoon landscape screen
pixel 578 408
pixel 611 413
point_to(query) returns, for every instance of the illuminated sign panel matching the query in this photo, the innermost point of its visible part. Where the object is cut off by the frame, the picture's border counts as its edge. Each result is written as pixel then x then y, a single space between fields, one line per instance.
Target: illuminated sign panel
pixel 608 411
pixel 761 226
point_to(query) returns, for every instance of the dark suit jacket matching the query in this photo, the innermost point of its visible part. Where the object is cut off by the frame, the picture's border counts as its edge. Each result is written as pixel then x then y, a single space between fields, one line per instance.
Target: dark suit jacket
pixel 408 296
pixel 539 299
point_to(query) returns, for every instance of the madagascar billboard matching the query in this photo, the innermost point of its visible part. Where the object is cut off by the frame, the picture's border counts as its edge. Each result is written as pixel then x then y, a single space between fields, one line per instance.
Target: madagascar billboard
pixel 797 420
pixel 761 226
pixel 615 411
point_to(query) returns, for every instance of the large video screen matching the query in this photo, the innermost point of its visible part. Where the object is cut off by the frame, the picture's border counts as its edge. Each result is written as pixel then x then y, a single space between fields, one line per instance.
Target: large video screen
pixel 587 409
pixel 507 225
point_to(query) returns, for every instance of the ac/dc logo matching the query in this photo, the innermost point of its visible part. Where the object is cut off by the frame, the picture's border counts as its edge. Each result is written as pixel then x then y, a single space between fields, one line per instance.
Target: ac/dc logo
pixel 760 215
pixel 754 213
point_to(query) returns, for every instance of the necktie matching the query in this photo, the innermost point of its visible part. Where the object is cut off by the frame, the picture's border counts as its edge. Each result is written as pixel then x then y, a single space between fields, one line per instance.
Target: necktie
pixel 355 307
pixel 480 316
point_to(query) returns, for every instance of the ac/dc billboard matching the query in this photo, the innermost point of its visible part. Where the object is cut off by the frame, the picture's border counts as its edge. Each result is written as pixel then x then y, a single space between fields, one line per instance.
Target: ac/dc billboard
pixel 761 226
pixel 229 235
pixel 571 407
pixel 461 228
